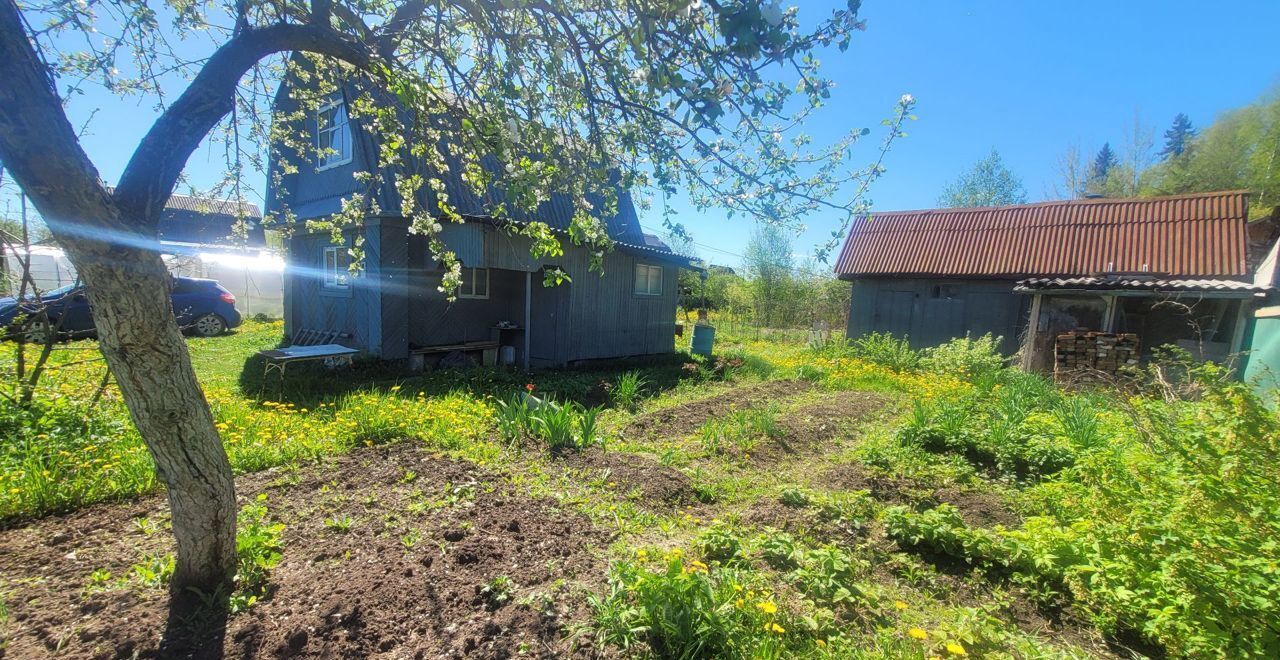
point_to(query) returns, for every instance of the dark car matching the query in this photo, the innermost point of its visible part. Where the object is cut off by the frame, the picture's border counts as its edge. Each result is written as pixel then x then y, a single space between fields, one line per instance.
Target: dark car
pixel 202 307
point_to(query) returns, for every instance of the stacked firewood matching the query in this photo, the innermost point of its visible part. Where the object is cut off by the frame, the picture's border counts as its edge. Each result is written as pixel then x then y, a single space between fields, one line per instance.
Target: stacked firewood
pixel 1093 356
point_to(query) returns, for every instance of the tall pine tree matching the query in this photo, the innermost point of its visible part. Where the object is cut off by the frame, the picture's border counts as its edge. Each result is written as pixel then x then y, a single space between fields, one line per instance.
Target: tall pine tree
pixel 1178 137
pixel 1101 168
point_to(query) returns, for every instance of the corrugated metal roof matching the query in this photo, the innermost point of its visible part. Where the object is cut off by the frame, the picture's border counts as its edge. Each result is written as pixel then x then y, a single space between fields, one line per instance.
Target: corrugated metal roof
pixel 1136 283
pixel 1201 235
pixel 212 206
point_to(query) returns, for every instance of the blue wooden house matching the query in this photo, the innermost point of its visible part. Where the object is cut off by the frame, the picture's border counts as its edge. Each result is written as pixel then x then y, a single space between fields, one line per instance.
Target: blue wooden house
pixel 393 309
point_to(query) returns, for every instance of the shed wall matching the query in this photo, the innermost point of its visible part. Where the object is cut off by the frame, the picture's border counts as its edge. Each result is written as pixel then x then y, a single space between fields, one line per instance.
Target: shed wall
pixel 933 311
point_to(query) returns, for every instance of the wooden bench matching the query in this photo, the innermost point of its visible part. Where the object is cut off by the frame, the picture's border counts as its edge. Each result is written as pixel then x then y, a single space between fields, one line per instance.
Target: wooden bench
pixel 446 348
pixel 488 349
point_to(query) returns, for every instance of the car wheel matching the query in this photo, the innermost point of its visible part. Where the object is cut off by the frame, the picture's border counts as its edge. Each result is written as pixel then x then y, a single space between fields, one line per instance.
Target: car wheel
pixel 209 325
pixel 37 332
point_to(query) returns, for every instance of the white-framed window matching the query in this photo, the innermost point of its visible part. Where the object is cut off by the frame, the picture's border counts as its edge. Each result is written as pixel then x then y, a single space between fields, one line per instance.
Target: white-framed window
pixel 475 283
pixel 337 268
pixel 333 135
pixel 648 280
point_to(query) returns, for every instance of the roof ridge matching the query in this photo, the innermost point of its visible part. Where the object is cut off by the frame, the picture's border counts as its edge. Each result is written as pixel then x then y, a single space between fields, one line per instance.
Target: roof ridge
pixel 1088 201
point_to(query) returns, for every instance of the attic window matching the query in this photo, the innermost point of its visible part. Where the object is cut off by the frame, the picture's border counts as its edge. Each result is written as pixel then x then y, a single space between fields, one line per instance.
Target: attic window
pixel 333 135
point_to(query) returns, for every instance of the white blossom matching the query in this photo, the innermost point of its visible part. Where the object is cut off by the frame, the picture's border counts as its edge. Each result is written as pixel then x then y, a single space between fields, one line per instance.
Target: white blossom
pixel 772 12
pixel 907 99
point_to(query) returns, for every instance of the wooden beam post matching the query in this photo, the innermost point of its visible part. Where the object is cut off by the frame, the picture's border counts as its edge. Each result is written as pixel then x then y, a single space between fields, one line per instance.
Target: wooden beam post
pixel 528 306
pixel 1033 329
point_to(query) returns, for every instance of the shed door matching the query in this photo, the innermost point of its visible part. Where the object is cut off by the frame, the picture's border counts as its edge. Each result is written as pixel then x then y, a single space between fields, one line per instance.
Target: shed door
pixel 894 311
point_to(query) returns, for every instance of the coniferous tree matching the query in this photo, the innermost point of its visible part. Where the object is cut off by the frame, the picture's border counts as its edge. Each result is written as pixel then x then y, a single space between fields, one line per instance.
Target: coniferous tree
pixel 1178 137
pixel 1102 163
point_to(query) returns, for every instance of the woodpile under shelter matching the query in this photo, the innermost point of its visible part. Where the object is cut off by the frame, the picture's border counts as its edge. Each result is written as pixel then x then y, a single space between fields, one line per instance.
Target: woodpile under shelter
pixel 1158 271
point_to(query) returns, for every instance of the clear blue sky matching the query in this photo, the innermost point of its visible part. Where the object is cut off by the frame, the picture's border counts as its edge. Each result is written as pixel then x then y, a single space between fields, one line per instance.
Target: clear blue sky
pixel 1026 77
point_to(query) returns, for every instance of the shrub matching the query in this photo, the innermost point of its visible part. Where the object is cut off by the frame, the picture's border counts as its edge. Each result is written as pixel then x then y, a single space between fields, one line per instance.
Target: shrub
pixel 965 357
pixel 885 350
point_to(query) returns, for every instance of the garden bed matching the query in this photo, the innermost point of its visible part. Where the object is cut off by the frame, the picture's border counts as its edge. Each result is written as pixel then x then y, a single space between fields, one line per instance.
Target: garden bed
pixel 387 551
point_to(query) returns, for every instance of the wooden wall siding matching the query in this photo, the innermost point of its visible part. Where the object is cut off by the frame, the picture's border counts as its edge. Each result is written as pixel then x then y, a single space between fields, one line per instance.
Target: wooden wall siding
pixel 511 252
pixel 910 307
pixel 607 319
pixel 467 242
pixel 312 193
pixel 433 320
pixel 383 288
pixel 308 306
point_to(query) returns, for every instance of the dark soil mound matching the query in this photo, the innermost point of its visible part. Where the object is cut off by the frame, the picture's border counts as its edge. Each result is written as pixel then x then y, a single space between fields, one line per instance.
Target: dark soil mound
pixel 813 426
pixel 657 484
pixel 684 419
pixel 408 579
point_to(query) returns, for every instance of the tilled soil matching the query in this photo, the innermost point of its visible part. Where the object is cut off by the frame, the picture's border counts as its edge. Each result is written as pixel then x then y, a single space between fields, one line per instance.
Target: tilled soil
pixel 406 580
pixel 656 485
pixel 684 419
pixel 812 426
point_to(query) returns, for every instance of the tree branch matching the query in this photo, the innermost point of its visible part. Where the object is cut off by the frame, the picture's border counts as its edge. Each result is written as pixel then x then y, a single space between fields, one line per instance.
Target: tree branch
pixel 158 161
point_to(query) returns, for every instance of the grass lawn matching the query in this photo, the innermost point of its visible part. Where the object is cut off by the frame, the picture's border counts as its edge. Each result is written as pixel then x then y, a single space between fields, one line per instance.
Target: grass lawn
pixel 777 501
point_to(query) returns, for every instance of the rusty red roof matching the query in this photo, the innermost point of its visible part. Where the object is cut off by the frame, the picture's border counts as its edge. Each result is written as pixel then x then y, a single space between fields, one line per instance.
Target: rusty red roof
pixel 1200 235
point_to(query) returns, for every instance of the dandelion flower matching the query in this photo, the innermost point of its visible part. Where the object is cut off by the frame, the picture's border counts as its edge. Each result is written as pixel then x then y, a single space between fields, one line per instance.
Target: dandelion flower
pixel 900 605
pixel 918 633
pixel 773 627
pixel 954 648
pixel 767 607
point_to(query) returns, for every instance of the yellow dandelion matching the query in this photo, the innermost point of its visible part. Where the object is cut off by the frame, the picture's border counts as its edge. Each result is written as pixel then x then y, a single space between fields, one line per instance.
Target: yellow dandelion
pixel 900 605
pixel 918 633
pixel 822 643
pixel 773 627
pixel 954 648
pixel 767 607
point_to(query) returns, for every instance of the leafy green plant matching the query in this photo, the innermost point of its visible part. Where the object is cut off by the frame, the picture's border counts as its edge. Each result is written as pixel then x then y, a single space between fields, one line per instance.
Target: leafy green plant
pixel 885 350
pixel 512 417
pixel 685 611
pixel 780 550
pixel 555 425
pixel 587 426
pixel 720 543
pixel 340 524
pixel 829 573
pixel 628 390
pixel 794 497
pixel 965 357
pixel 498 590
pixel 153 571
pixel 740 431
pixel 259 548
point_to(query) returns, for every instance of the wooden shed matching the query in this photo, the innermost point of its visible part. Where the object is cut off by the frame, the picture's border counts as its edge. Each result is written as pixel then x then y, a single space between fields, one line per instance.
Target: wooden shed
pixel 1171 270
pixel 392 307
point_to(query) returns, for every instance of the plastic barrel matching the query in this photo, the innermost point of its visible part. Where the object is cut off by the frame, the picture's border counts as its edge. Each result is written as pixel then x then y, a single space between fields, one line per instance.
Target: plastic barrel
pixel 507 355
pixel 703 338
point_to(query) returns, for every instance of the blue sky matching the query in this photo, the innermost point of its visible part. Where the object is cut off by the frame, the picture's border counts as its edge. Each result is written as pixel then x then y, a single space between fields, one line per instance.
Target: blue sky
pixel 1027 78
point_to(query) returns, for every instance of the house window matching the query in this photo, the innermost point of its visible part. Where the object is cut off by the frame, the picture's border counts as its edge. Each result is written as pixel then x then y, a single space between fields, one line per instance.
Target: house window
pixel 648 280
pixel 333 135
pixel 337 268
pixel 475 283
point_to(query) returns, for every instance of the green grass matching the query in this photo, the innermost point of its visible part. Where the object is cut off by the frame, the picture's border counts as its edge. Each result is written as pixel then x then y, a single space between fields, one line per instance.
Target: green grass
pixel 1142 517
